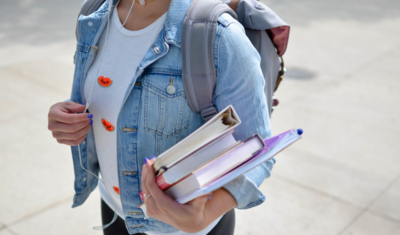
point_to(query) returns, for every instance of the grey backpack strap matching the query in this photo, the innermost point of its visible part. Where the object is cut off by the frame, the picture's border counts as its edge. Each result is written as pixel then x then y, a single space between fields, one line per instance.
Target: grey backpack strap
pixel 198 65
pixel 88 7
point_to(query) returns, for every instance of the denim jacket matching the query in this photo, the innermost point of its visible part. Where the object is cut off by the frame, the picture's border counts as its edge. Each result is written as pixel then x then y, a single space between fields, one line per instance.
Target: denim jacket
pixel 151 120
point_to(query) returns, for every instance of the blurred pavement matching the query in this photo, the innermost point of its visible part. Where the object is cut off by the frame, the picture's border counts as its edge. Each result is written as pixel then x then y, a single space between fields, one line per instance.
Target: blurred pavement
pixel 342 88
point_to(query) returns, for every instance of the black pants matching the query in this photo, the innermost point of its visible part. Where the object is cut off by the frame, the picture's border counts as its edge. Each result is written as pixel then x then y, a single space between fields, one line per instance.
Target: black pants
pixel 226 226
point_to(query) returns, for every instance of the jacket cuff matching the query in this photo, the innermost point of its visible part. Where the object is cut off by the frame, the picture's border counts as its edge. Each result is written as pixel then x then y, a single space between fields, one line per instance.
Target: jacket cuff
pixel 239 187
pixel 245 188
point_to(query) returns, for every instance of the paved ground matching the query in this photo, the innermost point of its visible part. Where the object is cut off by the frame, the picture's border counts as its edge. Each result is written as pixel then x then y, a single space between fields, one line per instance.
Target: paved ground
pixel 342 88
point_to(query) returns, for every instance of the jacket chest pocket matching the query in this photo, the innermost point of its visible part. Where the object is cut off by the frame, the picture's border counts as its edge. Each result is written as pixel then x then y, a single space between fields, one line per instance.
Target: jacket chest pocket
pixel 166 110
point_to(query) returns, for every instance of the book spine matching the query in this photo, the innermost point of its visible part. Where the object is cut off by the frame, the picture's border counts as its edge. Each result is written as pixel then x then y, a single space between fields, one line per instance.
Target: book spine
pixel 162 184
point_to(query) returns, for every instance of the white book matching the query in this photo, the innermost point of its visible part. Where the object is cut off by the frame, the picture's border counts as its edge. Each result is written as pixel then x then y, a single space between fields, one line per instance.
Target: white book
pixel 221 123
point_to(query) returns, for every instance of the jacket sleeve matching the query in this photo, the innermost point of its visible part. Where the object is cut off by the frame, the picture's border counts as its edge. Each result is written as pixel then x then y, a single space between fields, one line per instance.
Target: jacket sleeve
pixel 240 82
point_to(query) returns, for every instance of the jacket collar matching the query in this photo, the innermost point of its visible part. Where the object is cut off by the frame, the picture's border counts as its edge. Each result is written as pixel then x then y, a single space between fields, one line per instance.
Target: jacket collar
pixel 174 20
pixel 90 27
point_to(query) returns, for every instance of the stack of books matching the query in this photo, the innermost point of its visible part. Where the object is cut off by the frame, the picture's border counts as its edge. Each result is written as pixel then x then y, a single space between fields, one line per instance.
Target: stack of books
pixel 211 157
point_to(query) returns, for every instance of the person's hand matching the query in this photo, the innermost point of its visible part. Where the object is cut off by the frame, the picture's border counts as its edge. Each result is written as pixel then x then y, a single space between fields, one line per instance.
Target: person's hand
pixel 68 124
pixel 190 217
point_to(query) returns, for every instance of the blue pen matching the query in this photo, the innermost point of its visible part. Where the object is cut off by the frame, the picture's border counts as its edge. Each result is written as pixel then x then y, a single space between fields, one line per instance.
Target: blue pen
pixel 300 131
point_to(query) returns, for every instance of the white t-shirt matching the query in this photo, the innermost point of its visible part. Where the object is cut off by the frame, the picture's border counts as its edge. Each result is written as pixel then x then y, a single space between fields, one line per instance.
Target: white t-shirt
pixel 119 61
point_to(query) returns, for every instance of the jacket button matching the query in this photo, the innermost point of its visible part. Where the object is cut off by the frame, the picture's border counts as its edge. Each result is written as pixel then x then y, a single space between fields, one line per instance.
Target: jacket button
pixel 171 89
pixel 134 213
pixel 125 173
pixel 90 23
pixel 128 129
pixel 156 50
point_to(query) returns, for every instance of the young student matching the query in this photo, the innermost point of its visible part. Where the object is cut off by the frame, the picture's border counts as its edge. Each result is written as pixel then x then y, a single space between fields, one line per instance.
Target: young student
pixel 127 55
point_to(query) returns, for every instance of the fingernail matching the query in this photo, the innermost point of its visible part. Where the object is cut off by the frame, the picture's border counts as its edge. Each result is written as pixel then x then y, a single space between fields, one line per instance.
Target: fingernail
pixel 212 195
pixel 90 116
pixel 145 160
pixel 152 157
pixel 83 103
pixel 91 121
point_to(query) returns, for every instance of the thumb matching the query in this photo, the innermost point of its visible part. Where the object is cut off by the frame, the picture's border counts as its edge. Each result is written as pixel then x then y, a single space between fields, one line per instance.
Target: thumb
pixel 71 107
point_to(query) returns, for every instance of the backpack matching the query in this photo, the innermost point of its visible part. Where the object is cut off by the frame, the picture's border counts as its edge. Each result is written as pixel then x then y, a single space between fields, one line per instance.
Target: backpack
pixel 267 32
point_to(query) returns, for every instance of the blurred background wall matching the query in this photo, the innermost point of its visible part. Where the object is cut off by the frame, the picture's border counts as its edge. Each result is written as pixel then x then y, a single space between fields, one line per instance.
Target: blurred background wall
pixel 342 88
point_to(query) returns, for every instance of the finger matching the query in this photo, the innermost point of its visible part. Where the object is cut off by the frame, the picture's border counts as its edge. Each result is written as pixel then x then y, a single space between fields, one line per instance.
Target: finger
pixel 73 107
pixel 143 176
pixel 65 113
pixel 143 179
pixel 72 136
pixel 151 160
pixel 68 128
pixel 72 142
pixel 71 118
pixel 162 200
pixel 151 205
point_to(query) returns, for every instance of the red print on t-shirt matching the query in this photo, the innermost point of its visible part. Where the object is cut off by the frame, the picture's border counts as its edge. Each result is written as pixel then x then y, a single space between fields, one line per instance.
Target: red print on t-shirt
pixel 104 82
pixel 116 189
pixel 107 125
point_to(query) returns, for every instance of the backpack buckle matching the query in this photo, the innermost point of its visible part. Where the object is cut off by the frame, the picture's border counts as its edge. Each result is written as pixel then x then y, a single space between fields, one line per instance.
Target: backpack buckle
pixel 208 113
pixel 281 72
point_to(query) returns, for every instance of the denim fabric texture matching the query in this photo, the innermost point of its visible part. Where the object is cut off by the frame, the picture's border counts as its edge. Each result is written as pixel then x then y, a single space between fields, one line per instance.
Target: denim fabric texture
pixel 160 119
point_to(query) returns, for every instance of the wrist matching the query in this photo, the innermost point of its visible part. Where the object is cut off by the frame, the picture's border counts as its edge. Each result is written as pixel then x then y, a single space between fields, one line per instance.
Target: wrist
pixel 220 203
